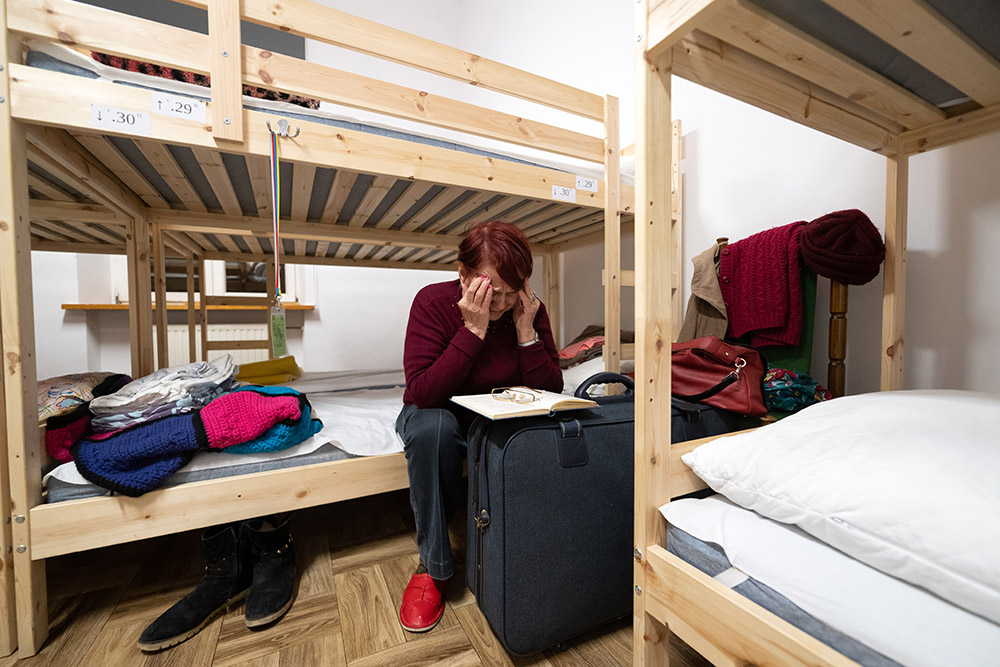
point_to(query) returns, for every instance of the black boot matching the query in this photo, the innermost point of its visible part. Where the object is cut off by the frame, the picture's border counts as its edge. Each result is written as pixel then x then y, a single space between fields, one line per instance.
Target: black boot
pixel 227 577
pixel 273 586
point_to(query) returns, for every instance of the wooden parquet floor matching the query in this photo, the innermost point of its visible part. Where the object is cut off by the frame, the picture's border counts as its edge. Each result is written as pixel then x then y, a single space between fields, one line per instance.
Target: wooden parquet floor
pixel 354 560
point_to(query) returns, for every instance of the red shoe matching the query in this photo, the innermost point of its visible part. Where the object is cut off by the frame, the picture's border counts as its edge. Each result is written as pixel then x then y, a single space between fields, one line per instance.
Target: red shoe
pixel 423 605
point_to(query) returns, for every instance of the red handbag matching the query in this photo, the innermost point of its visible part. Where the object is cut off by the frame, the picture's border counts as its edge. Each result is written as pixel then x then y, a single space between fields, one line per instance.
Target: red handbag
pixel 711 371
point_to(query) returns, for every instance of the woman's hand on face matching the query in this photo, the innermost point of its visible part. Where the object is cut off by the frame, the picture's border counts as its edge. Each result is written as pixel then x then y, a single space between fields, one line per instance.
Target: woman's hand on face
pixel 524 313
pixel 475 305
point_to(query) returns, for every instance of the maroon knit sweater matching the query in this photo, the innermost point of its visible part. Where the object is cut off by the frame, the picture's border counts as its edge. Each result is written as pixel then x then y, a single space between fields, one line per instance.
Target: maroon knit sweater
pixel 442 358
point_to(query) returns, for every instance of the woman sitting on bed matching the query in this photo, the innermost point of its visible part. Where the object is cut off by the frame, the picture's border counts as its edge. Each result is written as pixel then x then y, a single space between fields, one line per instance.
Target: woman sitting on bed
pixel 467 336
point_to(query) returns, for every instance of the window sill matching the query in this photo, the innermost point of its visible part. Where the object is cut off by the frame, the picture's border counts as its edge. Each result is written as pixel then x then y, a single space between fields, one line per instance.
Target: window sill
pixel 176 306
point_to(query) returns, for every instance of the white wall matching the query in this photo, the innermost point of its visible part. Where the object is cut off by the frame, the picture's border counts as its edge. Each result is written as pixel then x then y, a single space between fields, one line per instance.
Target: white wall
pixel 745 170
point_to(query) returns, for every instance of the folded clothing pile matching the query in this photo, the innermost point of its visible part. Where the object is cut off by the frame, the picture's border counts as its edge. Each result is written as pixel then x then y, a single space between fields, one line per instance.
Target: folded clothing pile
pixel 272 371
pixel 65 393
pixel 64 429
pixel 168 391
pixel 139 458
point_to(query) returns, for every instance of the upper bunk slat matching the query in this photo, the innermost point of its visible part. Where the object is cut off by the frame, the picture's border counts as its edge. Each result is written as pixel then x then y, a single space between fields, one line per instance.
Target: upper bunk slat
pixel 924 35
pixel 120 34
pixel 64 157
pixel 112 158
pixel 407 200
pixel 47 189
pixel 215 171
pixel 758 32
pixel 166 165
pixel 302 187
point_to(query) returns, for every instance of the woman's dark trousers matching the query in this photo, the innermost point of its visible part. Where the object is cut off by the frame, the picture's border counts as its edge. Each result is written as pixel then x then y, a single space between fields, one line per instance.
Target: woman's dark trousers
pixel 435 446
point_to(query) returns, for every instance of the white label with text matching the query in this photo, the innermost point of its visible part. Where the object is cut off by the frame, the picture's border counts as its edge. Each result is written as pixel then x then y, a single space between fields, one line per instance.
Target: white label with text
pixel 121 120
pixel 588 184
pixel 179 107
pixel 563 193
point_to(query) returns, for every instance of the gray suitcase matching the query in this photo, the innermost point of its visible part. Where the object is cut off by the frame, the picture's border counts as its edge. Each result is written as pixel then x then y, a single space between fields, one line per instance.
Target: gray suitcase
pixel 550 521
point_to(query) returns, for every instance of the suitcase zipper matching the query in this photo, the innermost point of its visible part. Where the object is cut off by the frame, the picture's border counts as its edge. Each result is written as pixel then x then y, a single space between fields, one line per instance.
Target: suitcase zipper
pixel 482 515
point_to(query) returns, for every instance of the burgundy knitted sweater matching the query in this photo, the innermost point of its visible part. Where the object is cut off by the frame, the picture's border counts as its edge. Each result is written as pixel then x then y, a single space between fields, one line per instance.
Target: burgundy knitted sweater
pixel 442 358
pixel 759 279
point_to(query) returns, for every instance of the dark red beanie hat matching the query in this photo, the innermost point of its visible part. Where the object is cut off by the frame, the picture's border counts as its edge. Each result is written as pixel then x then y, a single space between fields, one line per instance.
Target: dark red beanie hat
pixel 843 246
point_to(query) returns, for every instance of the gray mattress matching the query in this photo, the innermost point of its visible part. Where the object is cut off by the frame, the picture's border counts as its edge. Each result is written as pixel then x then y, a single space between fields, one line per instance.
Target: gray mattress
pixel 59 490
pixel 712 560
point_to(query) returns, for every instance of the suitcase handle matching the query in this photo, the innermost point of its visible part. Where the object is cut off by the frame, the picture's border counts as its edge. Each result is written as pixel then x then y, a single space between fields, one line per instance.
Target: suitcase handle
pixel 605 378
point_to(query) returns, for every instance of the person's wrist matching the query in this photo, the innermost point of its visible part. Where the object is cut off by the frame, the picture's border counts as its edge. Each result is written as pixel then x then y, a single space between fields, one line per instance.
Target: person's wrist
pixel 479 333
pixel 524 339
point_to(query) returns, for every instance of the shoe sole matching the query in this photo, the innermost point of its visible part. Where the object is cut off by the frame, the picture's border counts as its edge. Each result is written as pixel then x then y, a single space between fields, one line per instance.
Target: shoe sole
pixel 426 629
pixel 270 618
pixel 170 642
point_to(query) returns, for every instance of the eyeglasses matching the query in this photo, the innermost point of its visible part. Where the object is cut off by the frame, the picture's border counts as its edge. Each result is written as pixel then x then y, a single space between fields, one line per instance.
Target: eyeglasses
pixel 520 395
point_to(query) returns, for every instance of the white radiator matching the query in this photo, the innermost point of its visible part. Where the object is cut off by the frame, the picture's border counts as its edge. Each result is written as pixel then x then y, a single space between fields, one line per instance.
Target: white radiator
pixel 177 341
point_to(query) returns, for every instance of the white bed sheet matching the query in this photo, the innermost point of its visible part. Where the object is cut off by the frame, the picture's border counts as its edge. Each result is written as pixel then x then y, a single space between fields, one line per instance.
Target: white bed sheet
pixel 898 619
pixel 360 422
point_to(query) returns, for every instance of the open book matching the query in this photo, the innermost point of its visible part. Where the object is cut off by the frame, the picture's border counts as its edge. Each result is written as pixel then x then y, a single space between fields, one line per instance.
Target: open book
pixel 518 402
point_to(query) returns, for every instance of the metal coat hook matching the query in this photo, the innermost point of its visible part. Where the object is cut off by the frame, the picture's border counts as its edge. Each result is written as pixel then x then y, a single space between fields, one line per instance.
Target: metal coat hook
pixel 283 129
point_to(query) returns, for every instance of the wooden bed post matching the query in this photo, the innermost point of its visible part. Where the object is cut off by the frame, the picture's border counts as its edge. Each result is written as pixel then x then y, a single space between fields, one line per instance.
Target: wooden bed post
pixel 835 370
pixel 160 284
pixel 8 613
pixel 22 581
pixel 612 238
pixel 677 224
pixel 653 329
pixel 203 307
pixel 140 303
pixel 553 300
pixel 191 316
pixel 894 280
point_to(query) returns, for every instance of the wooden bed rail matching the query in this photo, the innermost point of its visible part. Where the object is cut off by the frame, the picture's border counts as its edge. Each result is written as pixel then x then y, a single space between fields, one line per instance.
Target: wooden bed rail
pixel 721 624
pixel 315 21
pixel 77 525
pixel 103 30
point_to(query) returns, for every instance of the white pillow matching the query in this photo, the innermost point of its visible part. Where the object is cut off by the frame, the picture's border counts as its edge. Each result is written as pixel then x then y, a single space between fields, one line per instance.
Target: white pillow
pixel 574 376
pixel 907 482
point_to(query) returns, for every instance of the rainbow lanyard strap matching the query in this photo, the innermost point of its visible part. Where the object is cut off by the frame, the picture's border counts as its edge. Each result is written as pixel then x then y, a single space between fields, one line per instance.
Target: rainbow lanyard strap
pixel 277 312
pixel 276 209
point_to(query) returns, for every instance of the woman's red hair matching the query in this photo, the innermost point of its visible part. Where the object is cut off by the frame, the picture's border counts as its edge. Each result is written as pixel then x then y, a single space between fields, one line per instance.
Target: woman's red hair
pixel 500 245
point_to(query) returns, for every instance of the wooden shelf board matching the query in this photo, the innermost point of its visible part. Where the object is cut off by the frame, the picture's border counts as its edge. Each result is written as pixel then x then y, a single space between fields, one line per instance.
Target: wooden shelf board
pixel 175 306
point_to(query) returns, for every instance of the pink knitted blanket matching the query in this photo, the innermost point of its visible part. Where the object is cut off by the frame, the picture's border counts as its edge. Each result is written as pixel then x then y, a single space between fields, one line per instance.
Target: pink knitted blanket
pixel 244 415
pixel 759 279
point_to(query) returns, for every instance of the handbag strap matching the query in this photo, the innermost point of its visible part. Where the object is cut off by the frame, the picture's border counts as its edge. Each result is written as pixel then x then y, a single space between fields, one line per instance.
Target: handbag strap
pixel 733 376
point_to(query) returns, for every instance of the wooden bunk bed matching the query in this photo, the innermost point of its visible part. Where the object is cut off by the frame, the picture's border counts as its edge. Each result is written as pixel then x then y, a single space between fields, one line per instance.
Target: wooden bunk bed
pixel 784 65
pixel 67 184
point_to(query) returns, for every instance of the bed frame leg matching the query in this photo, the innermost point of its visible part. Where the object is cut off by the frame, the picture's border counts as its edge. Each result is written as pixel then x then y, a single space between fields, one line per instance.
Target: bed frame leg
pixel 612 238
pixel 22 587
pixel 650 642
pixel 894 281
pixel 654 330
pixel 553 301
pixel 140 296
pixel 160 285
